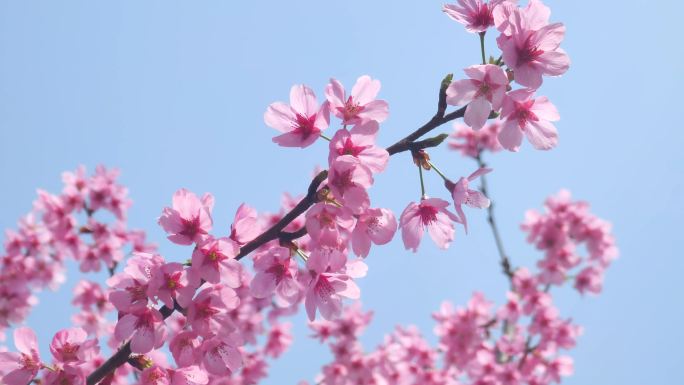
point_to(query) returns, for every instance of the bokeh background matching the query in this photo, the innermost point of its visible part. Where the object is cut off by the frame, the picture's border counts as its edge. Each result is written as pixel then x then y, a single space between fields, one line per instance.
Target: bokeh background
pixel 173 94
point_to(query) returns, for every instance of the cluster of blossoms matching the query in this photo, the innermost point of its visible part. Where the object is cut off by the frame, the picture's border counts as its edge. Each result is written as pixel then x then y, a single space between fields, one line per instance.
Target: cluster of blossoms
pixel 468 350
pixel 85 222
pixel 342 220
pixel 530 49
pixel 221 321
pixel 561 232
pixel 71 352
pixel 520 342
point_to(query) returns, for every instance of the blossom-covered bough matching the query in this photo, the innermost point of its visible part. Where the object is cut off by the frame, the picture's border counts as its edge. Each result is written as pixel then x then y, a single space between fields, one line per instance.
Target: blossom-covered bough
pixel 210 319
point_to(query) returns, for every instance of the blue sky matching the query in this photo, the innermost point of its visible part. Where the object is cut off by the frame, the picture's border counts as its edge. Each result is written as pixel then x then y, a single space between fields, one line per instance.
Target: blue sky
pixel 173 94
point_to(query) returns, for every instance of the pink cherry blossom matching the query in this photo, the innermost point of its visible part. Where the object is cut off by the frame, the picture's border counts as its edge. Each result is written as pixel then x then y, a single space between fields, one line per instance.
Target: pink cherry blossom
pixel 430 214
pixel 246 226
pixel 278 340
pixel 483 93
pixel 208 312
pixel 90 294
pixel 328 224
pixel 464 195
pixel 560 367
pixel 214 261
pixel 171 282
pixel 189 220
pixel 20 368
pixel 361 106
pixel 472 143
pixel 523 114
pixel 530 46
pixel 590 279
pixel 65 375
pixel 221 356
pixel 130 286
pixel 185 348
pixel 331 279
pixel 373 225
pixel 144 326
pixel 302 121
pixel 476 15
pixel 70 345
pixel 348 180
pixel 359 142
pixel 276 272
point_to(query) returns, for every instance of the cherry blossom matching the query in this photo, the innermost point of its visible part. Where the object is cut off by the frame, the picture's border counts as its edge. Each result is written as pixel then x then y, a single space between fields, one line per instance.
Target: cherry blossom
pixel 472 143
pixel 245 227
pixel 330 279
pixel 464 195
pixel 20 368
pixel 530 45
pixel 523 114
pixel 70 345
pixel 302 121
pixel 189 220
pixel 359 142
pixel 374 225
pixel 361 106
pixel 476 15
pixel 144 326
pixel 214 261
pixel 276 272
pixel 482 93
pixel 430 214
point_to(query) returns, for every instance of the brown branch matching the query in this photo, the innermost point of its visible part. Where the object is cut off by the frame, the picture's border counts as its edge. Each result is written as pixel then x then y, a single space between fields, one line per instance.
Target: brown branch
pixel 408 143
pixel 276 230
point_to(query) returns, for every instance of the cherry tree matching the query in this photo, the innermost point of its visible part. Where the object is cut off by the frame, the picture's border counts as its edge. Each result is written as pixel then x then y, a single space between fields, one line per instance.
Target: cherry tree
pixel 219 315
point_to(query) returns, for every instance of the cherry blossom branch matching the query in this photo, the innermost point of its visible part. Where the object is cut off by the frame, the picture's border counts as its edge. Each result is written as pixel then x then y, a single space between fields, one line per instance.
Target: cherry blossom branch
pixel 408 143
pixel 276 231
pixel 122 355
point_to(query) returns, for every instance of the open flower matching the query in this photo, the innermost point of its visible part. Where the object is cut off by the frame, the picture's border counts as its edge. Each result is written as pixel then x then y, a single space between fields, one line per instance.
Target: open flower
pixel 70 345
pixel 530 46
pixel 276 272
pixel 483 93
pixel 189 219
pixel 330 279
pixel 523 114
pixel 145 327
pixel 20 368
pixel 359 142
pixel 430 214
pixel 373 225
pixel 302 121
pixel 476 15
pixel 361 106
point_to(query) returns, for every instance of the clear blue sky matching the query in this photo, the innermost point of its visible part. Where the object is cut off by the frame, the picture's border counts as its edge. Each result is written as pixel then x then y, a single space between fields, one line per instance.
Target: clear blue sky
pixel 173 94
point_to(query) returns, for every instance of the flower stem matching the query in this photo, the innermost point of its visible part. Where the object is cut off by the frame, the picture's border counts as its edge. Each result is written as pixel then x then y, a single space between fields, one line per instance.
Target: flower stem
pixel 438 171
pixel 422 184
pixel 325 137
pixel 482 49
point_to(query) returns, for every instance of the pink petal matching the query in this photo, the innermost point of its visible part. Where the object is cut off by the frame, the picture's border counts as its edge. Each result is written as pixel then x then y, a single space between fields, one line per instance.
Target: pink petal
pixel 365 90
pixel 303 100
pixel 510 136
